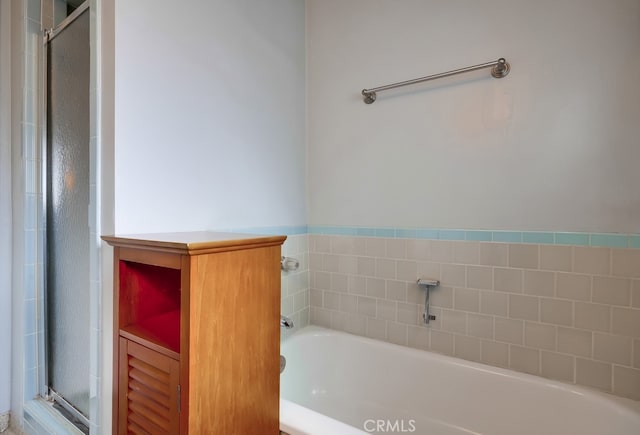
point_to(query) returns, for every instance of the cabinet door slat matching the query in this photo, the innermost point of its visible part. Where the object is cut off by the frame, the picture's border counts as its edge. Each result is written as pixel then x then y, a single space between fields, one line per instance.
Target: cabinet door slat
pixel 160 420
pixel 150 370
pixel 137 387
pixel 150 382
pixel 148 403
pixel 147 425
pixel 136 430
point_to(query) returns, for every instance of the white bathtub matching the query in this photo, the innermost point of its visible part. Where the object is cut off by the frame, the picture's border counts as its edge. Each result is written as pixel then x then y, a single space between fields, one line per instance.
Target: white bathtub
pixel 340 384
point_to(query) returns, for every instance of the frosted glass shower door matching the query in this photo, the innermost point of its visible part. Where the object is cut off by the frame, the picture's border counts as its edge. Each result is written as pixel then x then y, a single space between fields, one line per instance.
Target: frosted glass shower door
pixel 67 211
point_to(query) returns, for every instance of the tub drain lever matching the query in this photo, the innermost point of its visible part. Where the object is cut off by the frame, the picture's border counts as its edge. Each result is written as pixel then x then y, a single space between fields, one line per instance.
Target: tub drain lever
pixel 427 283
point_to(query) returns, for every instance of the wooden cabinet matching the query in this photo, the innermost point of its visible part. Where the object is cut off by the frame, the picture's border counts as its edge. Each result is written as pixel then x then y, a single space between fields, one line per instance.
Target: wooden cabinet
pixel 197 340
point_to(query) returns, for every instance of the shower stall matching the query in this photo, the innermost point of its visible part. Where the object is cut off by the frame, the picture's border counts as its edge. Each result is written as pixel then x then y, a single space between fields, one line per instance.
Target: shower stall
pixel 66 211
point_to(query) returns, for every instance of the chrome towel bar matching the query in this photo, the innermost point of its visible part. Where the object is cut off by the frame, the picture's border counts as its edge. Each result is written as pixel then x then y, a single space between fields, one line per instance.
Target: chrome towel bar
pixel 499 69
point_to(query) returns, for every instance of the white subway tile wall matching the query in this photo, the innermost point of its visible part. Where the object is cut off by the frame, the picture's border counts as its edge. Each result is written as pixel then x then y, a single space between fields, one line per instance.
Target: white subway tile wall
pixel 570 313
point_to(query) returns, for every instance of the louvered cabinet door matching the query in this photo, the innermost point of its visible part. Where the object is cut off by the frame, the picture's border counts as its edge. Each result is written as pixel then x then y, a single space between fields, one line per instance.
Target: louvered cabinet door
pixel 148 391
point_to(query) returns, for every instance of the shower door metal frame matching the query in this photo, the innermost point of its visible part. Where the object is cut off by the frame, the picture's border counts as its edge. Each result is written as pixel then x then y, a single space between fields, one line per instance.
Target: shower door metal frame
pixel 44 389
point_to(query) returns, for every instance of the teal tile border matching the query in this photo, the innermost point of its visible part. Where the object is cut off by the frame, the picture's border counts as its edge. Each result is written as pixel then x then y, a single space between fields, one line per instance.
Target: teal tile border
pixel 406 234
pixel 369 232
pixel 451 234
pixel 428 234
pixel 577 239
pixel 536 237
pixel 385 232
pixel 290 230
pixel 478 236
pixel 506 236
pixel 610 240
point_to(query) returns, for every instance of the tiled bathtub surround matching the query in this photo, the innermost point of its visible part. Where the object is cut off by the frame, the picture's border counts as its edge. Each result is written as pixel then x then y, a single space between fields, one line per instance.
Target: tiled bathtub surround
pixel 295 284
pixel 564 312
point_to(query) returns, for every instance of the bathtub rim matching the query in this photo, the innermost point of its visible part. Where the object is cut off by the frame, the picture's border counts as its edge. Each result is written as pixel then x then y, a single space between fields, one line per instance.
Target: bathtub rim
pixel 305 421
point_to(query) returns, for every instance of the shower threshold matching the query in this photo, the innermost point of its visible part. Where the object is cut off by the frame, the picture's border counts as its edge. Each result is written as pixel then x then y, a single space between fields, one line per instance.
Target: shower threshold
pixel 69 412
pixel 41 417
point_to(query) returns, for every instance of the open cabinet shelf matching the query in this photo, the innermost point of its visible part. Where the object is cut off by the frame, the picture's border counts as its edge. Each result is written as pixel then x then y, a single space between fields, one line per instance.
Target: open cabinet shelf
pixel 149 305
pixel 161 333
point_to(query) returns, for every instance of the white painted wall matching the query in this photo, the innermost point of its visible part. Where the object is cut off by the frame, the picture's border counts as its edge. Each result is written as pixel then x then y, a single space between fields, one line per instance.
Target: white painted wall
pixel 209 114
pixel 5 207
pixel 553 146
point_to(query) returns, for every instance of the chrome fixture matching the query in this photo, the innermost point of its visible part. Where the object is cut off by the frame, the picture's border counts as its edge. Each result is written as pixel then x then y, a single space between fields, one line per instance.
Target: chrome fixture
pixel 427 284
pixel 499 69
pixel 283 363
pixel 289 264
pixel 286 322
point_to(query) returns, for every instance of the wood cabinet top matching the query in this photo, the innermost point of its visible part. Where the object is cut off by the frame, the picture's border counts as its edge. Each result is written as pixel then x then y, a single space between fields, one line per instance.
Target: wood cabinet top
pixel 193 243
